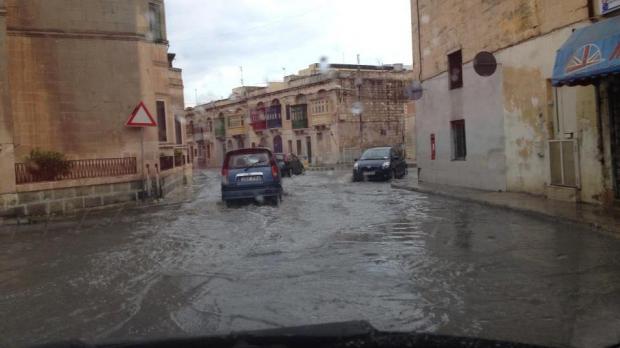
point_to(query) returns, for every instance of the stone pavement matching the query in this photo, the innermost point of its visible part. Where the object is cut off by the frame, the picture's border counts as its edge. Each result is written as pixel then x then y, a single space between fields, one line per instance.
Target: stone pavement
pixel 603 219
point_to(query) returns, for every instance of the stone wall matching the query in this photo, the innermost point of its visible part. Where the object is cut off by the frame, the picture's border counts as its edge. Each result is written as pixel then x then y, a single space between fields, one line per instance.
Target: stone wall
pixel 68 200
pixel 55 201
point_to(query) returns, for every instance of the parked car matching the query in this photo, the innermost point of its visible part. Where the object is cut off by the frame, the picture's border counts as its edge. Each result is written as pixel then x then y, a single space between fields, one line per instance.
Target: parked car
pixel 251 174
pixel 295 164
pixel 282 161
pixel 379 163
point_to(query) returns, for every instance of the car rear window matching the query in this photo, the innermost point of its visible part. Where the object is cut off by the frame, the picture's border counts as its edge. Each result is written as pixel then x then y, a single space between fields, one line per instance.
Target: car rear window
pixel 244 160
pixel 376 153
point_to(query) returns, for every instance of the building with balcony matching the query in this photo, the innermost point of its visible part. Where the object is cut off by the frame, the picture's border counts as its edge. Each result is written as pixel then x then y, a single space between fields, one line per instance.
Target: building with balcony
pixel 311 114
pixel 57 94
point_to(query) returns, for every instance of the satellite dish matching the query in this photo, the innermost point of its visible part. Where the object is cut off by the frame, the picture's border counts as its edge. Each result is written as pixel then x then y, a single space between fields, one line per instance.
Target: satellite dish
pixel 414 91
pixel 485 64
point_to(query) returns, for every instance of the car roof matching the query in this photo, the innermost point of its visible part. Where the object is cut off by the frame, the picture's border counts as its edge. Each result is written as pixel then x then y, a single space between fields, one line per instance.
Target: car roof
pixel 248 151
pixel 380 148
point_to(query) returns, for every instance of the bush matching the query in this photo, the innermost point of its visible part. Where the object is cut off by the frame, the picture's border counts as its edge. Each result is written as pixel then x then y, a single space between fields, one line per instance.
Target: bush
pixel 47 165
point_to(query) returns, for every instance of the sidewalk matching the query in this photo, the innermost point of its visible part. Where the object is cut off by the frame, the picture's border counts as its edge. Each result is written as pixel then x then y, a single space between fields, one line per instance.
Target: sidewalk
pixel 604 219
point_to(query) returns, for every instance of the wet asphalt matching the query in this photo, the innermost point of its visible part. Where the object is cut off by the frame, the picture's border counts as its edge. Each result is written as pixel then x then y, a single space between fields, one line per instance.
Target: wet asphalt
pixel 333 251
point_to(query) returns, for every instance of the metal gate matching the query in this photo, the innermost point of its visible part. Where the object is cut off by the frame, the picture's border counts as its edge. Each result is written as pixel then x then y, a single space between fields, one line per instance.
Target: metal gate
pixel 564 162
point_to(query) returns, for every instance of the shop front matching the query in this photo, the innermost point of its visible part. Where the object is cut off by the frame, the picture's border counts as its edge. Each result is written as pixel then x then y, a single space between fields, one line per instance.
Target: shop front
pixel 591 57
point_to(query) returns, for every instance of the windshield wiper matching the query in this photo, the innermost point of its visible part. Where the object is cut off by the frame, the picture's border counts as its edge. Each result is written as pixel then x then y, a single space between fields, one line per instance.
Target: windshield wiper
pixel 255 165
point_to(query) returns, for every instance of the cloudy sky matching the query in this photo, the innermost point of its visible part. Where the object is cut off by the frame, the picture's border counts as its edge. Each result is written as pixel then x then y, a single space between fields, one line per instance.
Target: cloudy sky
pixel 271 38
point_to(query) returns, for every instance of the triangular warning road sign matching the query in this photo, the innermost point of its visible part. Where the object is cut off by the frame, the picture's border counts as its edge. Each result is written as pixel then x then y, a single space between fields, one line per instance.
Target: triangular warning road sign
pixel 141 117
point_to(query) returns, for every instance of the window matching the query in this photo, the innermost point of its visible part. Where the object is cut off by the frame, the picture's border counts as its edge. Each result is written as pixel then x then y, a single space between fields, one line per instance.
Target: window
pixel 161 121
pixel 177 131
pixel 459 144
pixel 155 22
pixel 320 106
pixel 298 147
pixel 455 69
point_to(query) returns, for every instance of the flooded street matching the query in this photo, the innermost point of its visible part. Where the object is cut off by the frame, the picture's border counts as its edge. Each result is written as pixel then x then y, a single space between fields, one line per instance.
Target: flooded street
pixel 333 251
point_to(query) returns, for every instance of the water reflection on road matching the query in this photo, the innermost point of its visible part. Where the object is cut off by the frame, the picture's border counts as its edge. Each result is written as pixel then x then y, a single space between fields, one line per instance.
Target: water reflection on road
pixel 333 251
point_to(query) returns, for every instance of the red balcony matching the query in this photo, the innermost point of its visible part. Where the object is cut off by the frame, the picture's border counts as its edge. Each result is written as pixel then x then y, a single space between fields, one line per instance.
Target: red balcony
pixel 257 120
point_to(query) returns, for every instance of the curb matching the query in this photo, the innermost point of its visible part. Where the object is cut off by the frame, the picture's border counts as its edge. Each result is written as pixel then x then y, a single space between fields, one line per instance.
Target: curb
pixel 604 229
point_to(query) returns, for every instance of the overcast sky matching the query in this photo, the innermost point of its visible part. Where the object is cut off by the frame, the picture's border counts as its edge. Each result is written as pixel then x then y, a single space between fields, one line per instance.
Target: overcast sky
pixel 214 38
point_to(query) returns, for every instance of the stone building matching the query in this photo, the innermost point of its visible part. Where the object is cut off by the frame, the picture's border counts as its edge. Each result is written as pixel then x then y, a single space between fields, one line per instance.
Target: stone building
pixel 311 114
pixel 71 73
pixel 516 125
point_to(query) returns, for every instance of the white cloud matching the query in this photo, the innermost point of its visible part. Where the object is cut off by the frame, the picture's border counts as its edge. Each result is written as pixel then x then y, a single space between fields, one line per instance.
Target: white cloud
pixel 213 38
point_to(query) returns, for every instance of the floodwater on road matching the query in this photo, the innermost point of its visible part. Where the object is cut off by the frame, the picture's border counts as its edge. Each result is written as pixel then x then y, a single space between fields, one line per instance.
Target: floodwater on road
pixel 332 251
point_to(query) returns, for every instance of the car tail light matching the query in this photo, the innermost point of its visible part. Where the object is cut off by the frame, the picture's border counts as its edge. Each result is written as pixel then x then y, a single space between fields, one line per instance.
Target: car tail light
pixel 274 169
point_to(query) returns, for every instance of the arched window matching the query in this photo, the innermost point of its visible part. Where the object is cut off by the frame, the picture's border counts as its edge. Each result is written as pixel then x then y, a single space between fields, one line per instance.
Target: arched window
pixel 300 99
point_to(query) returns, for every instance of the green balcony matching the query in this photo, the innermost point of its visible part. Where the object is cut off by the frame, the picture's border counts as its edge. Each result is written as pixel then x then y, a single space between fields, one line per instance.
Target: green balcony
pixel 299 116
pixel 220 129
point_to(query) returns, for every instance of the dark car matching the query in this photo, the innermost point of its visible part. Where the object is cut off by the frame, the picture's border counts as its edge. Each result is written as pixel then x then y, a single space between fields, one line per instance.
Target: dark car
pixel 251 174
pixel 283 164
pixel 379 163
pixel 295 165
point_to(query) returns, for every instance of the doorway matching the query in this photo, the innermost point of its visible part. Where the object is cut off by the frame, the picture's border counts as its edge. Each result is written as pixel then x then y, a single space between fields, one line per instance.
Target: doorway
pixel 309 147
pixel 277 144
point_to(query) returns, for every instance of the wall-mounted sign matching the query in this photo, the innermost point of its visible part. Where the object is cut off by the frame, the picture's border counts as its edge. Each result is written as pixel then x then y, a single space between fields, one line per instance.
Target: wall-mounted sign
pixel 609 6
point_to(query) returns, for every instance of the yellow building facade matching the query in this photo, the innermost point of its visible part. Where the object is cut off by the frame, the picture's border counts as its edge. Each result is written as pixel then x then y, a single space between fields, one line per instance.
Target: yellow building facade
pixel 309 114
pixel 71 74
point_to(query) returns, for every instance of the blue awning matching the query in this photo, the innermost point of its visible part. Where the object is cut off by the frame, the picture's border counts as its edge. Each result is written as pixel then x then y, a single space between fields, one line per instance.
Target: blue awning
pixel 590 53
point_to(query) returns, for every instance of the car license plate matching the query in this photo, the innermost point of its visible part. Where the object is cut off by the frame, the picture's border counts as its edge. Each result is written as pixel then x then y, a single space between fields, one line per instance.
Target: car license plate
pixel 250 179
pixel 369 173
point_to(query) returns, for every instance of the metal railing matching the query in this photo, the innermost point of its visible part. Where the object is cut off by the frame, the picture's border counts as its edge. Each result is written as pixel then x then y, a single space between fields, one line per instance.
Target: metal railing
pixel 81 169
pixel 274 117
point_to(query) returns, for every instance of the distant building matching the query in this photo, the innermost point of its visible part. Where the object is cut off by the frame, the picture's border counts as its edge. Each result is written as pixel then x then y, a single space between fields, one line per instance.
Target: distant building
pixel 71 73
pixel 313 114
pixel 518 125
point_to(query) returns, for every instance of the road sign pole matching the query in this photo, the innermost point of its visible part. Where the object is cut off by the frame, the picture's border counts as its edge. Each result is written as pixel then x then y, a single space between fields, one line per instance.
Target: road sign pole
pixel 142 150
